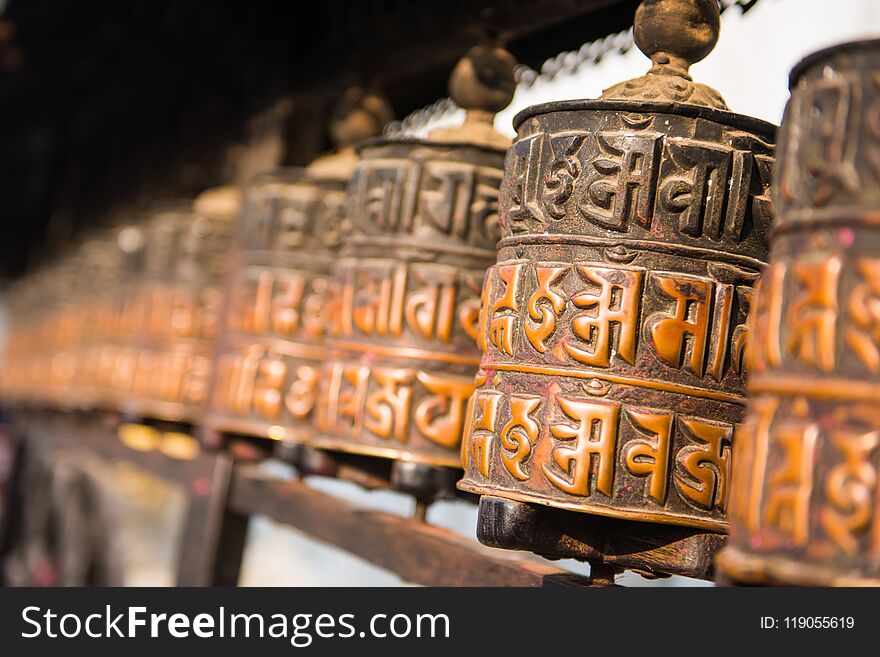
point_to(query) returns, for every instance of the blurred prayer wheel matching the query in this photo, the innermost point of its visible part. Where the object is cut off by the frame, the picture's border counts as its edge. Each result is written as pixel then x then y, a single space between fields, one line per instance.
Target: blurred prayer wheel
pixel 120 355
pixel 805 490
pixel 185 253
pixel 613 323
pixel 406 287
pixel 272 347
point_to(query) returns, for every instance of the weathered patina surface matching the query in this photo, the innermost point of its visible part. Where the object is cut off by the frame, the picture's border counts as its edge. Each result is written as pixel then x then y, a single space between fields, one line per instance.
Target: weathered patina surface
pixel 804 497
pixel 613 325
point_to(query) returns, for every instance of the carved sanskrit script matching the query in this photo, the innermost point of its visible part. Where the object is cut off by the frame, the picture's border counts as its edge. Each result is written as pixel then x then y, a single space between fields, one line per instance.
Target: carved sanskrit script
pixel 820 491
pixel 591 314
pixel 455 200
pixel 394 404
pixel 634 180
pixel 600 450
pixel 428 304
pixel 807 318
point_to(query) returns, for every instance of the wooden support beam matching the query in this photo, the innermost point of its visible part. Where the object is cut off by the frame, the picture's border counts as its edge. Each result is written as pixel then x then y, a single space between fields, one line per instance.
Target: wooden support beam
pixel 418 552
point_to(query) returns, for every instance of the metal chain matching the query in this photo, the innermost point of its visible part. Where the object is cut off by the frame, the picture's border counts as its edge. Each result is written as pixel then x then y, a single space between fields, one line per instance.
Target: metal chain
pixel 564 64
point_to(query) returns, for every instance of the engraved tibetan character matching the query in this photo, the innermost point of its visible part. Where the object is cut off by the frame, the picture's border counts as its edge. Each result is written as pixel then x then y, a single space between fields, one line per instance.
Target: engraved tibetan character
pixel 812 315
pixel 386 411
pixel 440 416
pixel 501 325
pixel 519 434
pixel 484 226
pixel 622 187
pixel 790 488
pixel 863 334
pixel 681 337
pixel 430 309
pixel 348 390
pixel 523 161
pixel 482 418
pixel 293 221
pixel 388 190
pixel 196 380
pixel 765 347
pixel 268 386
pixel 445 197
pixel 595 435
pixel 254 301
pixel 286 303
pixel 469 305
pixel 740 335
pixel 850 486
pixel 315 310
pixel 183 317
pixel 698 193
pixel 649 456
pixel 750 448
pixel 300 398
pixel 377 300
pixel 826 147
pixel 704 468
pixel 609 315
pixel 545 305
pixel 565 168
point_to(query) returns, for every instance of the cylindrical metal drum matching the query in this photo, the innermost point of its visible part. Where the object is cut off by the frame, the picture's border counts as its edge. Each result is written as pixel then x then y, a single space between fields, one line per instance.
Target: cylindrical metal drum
pixel 805 489
pixel 268 368
pixel 613 324
pixel 185 259
pixel 406 287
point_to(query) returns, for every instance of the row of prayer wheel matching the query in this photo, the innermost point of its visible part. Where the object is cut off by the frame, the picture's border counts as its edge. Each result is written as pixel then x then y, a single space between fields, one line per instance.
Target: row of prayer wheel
pixel 563 318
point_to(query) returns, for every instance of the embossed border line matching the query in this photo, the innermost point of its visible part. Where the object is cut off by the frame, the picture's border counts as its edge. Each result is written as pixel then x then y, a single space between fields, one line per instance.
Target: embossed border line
pixel 834 217
pixel 236 342
pixel 436 246
pixel 837 389
pixel 758 568
pixel 699 252
pixel 662 386
pixel 406 352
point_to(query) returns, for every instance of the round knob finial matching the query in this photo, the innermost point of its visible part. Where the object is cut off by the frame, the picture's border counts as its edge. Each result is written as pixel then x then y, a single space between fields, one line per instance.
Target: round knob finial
pixel 483 79
pixel 677 33
pixel 357 115
pixel 674 34
pixel 482 83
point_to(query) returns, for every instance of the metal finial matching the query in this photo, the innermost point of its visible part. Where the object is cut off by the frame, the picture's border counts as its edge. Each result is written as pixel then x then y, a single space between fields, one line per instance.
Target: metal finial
pixel 674 34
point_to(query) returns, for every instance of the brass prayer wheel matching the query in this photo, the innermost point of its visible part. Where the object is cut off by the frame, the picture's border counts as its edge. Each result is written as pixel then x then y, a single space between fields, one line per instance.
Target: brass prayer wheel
pixel 272 347
pixel 405 291
pixel 614 321
pixel 177 307
pixel 59 323
pixel 805 489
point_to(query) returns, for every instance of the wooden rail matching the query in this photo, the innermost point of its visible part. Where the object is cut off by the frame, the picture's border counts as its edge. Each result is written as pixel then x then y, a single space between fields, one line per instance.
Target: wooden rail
pixel 223 495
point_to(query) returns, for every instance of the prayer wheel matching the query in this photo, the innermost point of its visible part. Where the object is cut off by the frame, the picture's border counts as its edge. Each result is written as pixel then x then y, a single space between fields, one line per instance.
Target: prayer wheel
pixel 405 291
pixel 177 307
pixel 614 322
pixel 805 493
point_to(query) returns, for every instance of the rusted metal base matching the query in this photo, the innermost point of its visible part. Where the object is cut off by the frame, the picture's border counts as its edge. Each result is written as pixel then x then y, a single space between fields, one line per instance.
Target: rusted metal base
pixel 648 549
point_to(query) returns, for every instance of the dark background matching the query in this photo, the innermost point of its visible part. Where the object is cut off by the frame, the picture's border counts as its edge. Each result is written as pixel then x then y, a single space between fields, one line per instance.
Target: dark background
pixel 109 104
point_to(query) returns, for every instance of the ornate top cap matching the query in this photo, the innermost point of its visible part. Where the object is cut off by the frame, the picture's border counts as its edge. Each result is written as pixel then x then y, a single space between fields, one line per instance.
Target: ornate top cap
pixel 674 34
pixel 219 202
pixel 483 84
pixel 357 115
